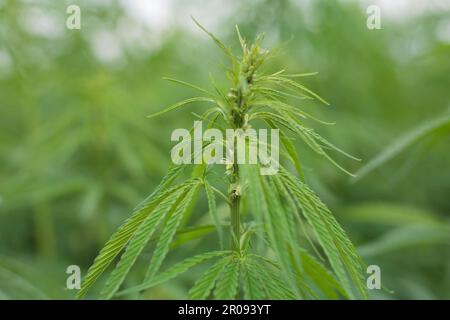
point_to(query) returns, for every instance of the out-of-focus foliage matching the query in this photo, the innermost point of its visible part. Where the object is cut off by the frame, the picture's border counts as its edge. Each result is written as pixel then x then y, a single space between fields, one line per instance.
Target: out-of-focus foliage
pixel 77 152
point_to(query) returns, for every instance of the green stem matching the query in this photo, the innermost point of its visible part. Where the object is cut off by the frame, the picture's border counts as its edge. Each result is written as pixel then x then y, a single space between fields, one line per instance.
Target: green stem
pixel 235 200
pixel 237 117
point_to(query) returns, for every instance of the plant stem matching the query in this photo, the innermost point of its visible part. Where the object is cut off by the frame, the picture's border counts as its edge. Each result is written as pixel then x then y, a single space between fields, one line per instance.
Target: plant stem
pixel 235 202
pixel 237 117
pixel 235 222
pixel 235 199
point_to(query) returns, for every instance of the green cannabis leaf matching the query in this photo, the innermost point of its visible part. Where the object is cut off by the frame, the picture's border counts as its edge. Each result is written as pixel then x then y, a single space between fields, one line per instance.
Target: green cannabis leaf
pixel 265 258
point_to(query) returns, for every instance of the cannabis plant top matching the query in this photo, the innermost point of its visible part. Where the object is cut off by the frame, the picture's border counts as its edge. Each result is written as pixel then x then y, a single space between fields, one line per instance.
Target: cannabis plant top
pixel 260 248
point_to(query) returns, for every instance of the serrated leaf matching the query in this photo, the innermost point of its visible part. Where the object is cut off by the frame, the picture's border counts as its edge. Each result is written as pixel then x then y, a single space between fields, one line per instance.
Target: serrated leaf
pixel 338 248
pixel 169 230
pixel 298 86
pixel 121 237
pixel 268 209
pixel 175 271
pixel 290 148
pixel 253 287
pixel 204 285
pixel 227 285
pixel 311 138
pixel 173 172
pixel 322 277
pixel 273 283
pixel 138 242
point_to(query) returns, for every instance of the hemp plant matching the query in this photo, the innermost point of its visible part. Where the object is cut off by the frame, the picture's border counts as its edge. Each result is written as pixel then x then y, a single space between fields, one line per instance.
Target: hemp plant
pixel 270 216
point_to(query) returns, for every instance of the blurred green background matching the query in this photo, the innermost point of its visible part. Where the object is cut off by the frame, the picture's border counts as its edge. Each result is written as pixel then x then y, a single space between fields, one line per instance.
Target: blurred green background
pixel 77 152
